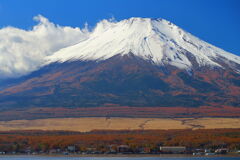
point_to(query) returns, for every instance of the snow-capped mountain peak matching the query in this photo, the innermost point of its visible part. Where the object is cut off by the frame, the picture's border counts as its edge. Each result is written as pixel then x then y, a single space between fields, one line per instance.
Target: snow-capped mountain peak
pixel 104 69
pixel 157 40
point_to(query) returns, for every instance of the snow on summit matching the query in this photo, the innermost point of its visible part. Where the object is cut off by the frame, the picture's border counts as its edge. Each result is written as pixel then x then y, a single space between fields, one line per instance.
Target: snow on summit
pixel 157 40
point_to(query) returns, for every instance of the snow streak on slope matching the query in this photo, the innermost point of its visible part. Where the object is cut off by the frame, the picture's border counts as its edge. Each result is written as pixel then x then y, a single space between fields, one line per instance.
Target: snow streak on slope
pixel 156 40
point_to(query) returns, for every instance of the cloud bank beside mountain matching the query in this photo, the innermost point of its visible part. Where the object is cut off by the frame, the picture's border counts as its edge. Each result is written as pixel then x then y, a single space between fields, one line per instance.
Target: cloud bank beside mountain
pixel 23 51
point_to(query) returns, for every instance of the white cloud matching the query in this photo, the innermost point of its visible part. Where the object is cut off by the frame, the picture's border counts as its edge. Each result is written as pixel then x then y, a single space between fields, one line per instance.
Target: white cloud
pixel 23 51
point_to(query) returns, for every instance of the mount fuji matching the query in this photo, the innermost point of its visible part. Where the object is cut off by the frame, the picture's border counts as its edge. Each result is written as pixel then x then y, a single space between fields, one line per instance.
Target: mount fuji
pixel 155 40
pixel 138 63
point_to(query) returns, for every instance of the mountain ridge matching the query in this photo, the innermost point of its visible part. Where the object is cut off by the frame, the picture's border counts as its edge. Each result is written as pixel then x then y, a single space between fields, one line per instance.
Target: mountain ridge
pixel 95 74
pixel 126 81
pixel 157 40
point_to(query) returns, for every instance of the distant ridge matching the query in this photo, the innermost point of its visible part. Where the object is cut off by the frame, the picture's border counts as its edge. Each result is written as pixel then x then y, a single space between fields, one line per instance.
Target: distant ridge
pixel 137 62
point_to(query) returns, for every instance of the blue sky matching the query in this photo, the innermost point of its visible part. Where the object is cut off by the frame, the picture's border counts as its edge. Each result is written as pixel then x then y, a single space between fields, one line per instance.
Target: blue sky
pixel 215 21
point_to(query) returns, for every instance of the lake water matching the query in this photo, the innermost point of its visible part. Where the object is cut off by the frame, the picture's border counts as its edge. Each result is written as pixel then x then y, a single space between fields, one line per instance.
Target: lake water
pixel 114 158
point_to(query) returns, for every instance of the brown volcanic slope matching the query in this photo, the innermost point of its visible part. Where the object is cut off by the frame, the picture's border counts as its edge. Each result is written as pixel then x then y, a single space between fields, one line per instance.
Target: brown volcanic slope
pixel 124 81
pixel 120 111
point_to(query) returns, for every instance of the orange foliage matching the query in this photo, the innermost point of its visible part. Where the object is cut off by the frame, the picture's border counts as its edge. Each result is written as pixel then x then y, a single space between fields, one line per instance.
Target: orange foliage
pixel 46 140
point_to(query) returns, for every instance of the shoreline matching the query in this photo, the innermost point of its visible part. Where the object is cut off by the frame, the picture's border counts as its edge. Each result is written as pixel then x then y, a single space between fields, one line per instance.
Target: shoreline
pixel 120 155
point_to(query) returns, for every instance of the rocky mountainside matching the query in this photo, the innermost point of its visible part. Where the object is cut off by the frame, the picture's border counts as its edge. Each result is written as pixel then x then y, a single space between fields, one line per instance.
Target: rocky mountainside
pixel 138 62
